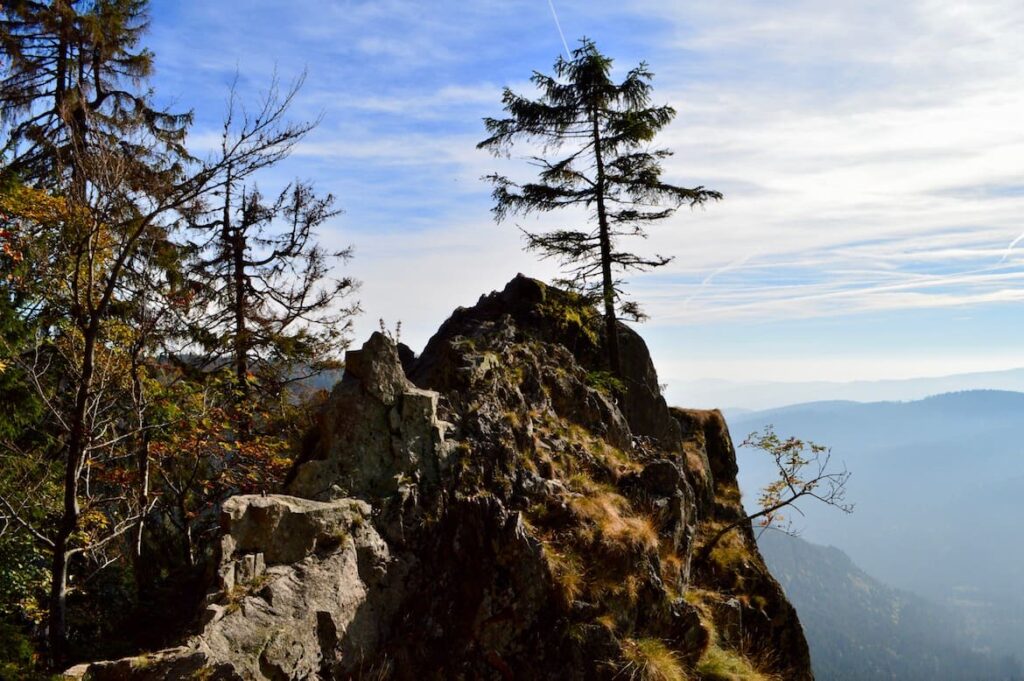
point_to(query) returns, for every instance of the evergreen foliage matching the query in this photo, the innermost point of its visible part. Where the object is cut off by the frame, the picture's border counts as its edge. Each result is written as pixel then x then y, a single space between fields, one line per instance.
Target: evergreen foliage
pixel 71 81
pixel 595 136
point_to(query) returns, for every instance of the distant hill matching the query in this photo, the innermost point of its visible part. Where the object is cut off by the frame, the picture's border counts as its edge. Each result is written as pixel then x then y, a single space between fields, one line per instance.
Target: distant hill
pixel 939 491
pixel 735 396
pixel 859 629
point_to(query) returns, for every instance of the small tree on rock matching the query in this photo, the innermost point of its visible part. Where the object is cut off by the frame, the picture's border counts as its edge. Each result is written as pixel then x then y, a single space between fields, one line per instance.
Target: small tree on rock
pixel 604 129
pixel 804 471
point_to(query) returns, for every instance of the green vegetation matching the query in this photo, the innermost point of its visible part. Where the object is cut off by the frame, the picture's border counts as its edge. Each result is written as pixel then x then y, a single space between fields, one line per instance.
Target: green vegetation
pixel 156 313
pixel 720 664
pixel 574 317
pixel 606 382
pixel 605 129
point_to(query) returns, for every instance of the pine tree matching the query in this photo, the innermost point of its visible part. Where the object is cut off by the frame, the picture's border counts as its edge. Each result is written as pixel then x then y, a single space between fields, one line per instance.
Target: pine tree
pixel 608 168
pixel 70 80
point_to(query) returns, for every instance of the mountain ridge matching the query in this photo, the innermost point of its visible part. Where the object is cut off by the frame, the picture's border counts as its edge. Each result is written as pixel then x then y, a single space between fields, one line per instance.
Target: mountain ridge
pixel 860 629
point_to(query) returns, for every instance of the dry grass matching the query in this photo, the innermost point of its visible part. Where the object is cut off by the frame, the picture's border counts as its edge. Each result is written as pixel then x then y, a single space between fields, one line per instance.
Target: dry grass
pixel 608 520
pixel 649 659
pixel 720 664
pixel 607 517
pixel 618 587
pixel 672 571
pixel 731 550
pixel 568 572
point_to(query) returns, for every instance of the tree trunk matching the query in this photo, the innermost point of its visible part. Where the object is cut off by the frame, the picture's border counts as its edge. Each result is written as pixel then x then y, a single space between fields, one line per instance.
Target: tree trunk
pixel 234 242
pixel 57 632
pixel 241 349
pixel 69 518
pixel 186 524
pixel 142 463
pixel 608 286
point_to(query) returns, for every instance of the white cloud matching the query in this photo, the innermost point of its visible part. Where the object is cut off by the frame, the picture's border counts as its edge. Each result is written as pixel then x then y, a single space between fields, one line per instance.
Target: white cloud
pixel 870 151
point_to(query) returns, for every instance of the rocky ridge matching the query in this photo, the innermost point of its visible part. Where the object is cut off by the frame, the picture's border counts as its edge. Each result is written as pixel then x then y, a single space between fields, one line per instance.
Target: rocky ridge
pixel 498 508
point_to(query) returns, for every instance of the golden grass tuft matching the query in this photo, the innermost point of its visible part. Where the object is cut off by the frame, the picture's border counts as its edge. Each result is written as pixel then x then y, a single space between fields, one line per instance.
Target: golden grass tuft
pixel 720 664
pixel 672 571
pixel 731 550
pixel 609 520
pixel 649 659
pixel 568 572
pixel 624 588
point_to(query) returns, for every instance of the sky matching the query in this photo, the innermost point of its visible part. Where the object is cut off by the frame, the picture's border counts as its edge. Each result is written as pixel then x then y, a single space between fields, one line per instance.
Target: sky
pixel 871 155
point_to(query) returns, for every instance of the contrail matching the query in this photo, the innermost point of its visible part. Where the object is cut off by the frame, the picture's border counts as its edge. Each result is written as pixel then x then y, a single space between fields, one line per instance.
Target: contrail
pixel 739 262
pixel 1009 249
pixel 558 24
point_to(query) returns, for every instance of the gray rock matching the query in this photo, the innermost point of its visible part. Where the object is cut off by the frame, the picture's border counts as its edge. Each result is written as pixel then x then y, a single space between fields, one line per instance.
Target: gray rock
pixel 413 546
pixel 662 478
pixel 377 432
pixel 284 529
pixel 328 568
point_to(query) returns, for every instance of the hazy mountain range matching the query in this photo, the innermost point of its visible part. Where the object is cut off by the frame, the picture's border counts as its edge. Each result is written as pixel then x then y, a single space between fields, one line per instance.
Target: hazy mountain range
pixel 860 629
pixel 939 491
pixel 737 397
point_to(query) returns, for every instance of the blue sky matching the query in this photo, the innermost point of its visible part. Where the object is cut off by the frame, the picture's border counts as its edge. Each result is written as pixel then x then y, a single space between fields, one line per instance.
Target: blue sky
pixel 870 154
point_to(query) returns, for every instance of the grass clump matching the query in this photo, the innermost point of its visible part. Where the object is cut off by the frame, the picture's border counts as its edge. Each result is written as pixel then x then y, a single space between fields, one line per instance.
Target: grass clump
pixel 649 659
pixel 606 382
pixel 568 572
pixel 573 315
pixel 720 664
pixel 731 550
pixel 608 520
pixel 672 567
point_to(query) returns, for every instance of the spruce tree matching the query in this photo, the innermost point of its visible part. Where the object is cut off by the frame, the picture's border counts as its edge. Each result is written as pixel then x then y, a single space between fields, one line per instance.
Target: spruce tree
pixel 601 131
pixel 70 80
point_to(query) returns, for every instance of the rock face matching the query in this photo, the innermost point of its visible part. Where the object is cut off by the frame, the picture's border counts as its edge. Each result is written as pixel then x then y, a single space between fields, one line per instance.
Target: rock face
pixel 499 508
pixel 378 434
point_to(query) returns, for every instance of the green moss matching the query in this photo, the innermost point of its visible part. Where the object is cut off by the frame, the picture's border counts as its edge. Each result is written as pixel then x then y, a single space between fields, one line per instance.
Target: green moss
pixel 574 315
pixel 239 592
pixel 605 382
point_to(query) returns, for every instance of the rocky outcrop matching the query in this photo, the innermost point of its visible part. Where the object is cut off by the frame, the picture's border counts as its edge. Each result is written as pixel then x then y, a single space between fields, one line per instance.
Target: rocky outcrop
pixel 378 435
pixel 499 508
pixel 303 587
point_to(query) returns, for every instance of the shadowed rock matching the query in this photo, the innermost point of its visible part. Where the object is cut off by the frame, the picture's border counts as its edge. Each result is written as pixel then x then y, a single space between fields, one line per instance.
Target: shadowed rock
pixel 498 508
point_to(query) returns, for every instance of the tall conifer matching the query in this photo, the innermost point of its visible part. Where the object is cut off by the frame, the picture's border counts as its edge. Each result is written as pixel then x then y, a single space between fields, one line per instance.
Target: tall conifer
pixel 607 167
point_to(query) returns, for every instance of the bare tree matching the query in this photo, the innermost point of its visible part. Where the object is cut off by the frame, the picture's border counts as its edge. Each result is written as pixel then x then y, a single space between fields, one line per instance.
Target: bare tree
pixel 266 303
pixel 805 472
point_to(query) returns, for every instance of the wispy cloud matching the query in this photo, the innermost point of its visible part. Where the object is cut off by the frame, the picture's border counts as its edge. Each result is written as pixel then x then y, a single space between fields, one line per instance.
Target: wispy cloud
pixel 869 151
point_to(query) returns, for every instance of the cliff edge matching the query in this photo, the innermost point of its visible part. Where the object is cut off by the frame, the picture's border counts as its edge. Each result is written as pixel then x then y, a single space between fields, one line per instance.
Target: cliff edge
pixel 498 508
